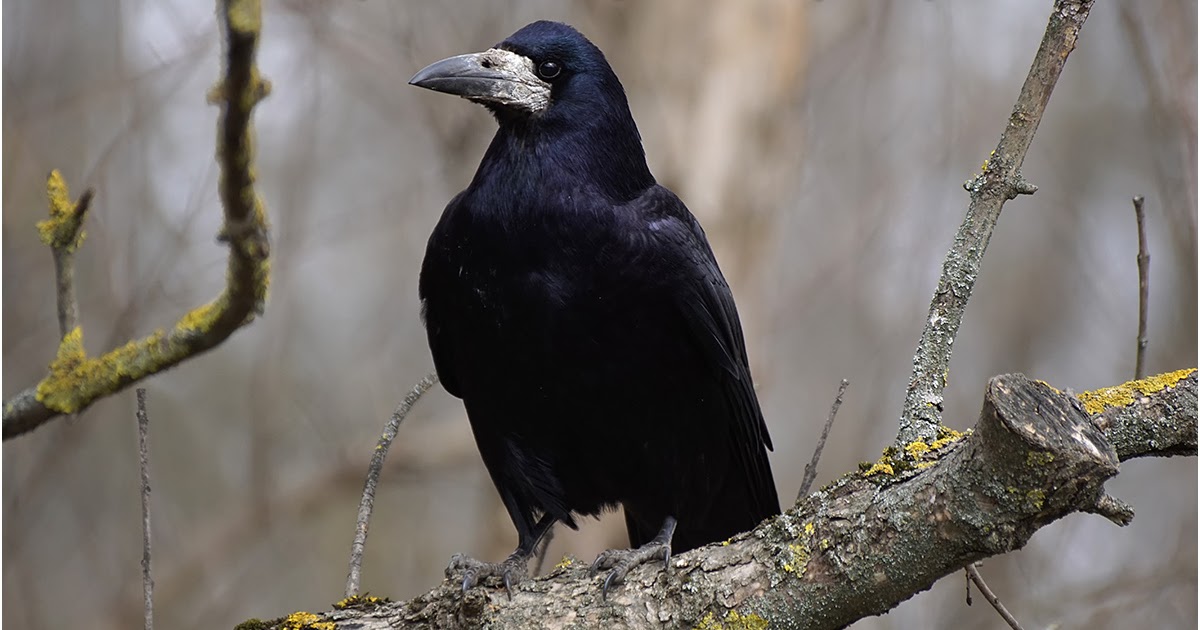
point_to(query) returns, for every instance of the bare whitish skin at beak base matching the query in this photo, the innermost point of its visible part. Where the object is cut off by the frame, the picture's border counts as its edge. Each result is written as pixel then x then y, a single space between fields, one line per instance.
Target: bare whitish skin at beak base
pixel 496 77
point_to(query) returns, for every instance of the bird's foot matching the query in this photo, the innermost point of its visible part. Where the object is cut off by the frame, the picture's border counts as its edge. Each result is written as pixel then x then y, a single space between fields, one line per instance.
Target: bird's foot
pixel 621 561
pixel 512 571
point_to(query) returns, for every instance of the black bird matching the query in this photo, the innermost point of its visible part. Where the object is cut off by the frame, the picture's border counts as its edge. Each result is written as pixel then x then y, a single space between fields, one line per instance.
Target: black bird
pixel 576 308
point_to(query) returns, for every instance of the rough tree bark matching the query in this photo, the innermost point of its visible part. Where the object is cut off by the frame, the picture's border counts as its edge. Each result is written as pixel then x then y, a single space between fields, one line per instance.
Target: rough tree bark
pixel 866 542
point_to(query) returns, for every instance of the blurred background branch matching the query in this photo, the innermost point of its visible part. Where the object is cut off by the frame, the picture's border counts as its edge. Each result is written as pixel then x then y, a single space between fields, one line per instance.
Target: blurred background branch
pixel 75 380
pixel 63 233
pixel 143 431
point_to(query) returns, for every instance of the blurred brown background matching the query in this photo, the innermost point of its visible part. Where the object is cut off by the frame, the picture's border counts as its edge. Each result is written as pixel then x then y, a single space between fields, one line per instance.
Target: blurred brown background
pixel 823 145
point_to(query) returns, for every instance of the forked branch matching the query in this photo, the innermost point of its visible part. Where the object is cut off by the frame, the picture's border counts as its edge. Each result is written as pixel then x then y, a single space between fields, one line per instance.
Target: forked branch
pixel 76 380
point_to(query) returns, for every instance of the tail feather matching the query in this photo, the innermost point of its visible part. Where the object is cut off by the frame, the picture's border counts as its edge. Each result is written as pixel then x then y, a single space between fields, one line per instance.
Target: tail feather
pixel 733 510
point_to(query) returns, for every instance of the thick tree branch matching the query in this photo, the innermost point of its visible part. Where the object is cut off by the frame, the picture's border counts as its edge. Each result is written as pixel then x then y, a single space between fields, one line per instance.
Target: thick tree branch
pixel 999 181
pixel 1151 417
pixel 76 380
pixel 865 543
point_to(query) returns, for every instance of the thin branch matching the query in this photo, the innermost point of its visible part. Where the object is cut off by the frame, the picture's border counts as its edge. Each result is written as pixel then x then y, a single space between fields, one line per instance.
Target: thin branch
pixel 373 470
pixel 143 423
pixel 974 576
pixel 968 583
pixel 999 181
pixel 810 469
pixel 63 233
pixel 1143 263
pixel 76 380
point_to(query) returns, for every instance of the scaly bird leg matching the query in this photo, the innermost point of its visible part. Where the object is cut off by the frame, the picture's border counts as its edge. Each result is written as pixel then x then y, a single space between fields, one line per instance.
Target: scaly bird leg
pixel 513 570
pixel 621 561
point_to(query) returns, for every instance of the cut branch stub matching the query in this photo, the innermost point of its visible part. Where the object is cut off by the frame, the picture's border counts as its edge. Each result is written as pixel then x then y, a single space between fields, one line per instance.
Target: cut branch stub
pixel 1066 458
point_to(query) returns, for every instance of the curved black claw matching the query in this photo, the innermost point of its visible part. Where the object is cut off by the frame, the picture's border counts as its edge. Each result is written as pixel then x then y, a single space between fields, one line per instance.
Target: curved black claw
pixel 512 571
pixel 622 561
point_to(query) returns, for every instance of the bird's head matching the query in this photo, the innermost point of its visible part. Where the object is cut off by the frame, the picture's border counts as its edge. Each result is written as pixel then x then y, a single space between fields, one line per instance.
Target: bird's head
pixel 550 88
pixel 541 70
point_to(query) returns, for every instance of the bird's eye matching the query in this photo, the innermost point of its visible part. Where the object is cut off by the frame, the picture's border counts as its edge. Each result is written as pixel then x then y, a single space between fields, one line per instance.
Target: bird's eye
pixel 549 69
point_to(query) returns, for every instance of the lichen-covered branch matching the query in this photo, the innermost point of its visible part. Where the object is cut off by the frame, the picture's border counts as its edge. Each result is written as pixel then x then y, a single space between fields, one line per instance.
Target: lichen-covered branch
pixel 76 380
pixel 1150 417
pixel 63 233
pixel 859 546
pixel 999 181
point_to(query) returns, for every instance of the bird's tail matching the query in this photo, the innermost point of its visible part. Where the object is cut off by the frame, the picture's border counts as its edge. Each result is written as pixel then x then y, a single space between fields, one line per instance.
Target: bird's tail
pixel 738 507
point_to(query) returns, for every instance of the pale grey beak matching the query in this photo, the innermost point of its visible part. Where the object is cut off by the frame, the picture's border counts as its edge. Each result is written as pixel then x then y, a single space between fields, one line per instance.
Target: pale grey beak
pixel 495 76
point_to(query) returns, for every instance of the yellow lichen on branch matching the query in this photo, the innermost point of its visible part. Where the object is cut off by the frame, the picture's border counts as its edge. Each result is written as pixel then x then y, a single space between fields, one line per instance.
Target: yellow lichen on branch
pixel 201 318
pixel 63 229
pixel 360 601
pixel 1125 394
pixel 306 621
pixel 75 380
pixel 245 16
pixel 916 454
pixel 733 620
pixel 882 466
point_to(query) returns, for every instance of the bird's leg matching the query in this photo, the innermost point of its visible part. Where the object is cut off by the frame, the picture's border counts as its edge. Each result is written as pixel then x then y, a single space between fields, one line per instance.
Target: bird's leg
pixel 512 570
pixel 621 561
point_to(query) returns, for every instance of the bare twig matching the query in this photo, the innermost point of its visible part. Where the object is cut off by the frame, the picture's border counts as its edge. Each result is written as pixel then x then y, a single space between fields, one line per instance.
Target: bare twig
pixel 810 470
pixel 999 181
pixel 143 423
pixel 373 470
pixel 76 380
pixel 973 575
pixel 1143 263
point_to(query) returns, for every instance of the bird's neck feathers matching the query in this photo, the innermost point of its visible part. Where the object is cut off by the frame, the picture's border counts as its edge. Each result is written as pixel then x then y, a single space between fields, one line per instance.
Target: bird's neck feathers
pixel 585 136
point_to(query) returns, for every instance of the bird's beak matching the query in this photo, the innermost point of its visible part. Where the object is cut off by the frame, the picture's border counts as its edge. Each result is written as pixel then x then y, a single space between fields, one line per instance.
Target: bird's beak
pixel 495 77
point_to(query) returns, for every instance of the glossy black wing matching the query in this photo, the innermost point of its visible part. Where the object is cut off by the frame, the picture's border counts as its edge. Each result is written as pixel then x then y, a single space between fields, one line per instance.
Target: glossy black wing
pixel 705 305
pixel 435 287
